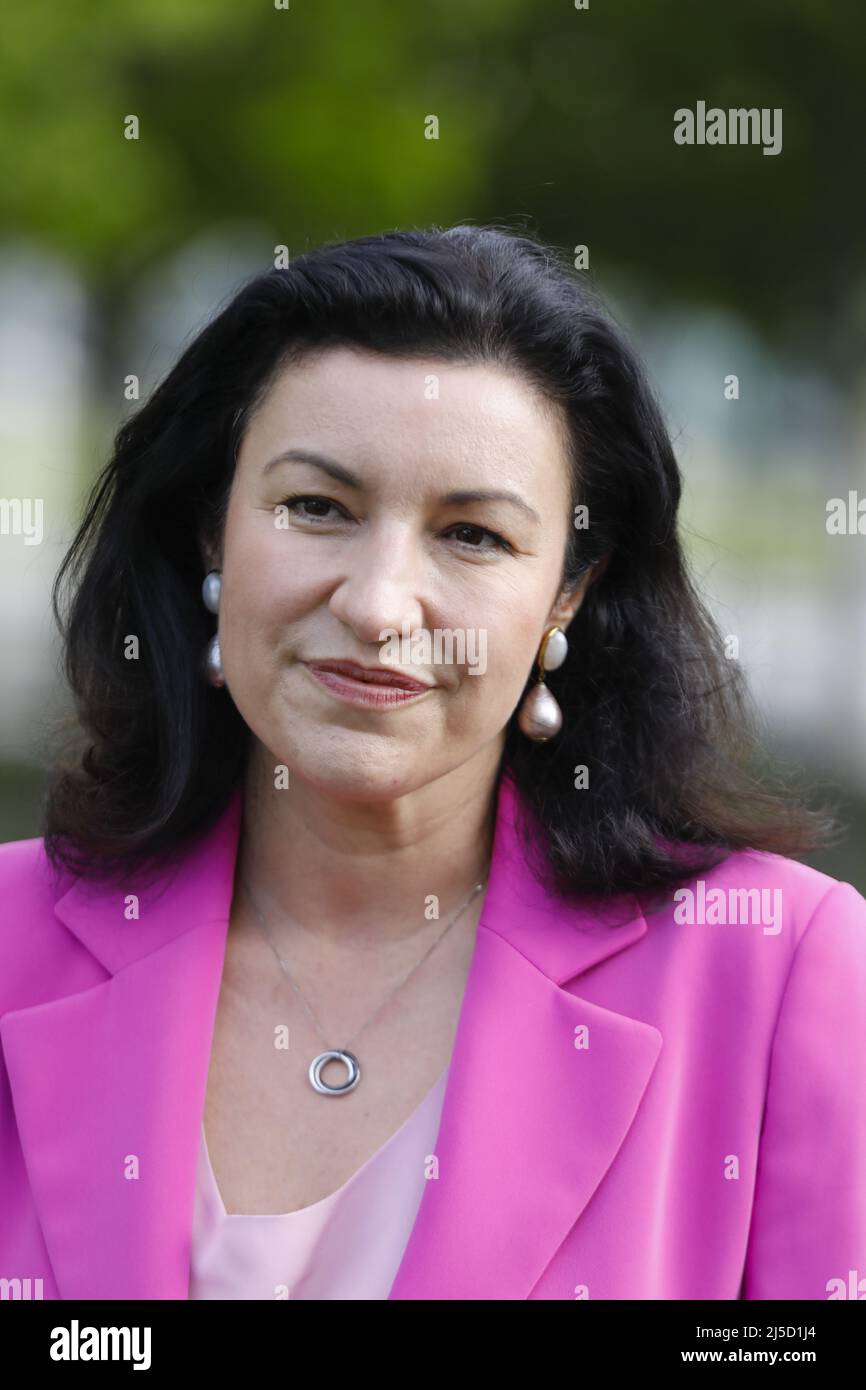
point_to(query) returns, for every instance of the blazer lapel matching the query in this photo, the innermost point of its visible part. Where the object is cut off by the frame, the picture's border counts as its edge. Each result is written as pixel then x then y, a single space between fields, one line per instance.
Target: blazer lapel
pixel 109 1084
pixel 530 1123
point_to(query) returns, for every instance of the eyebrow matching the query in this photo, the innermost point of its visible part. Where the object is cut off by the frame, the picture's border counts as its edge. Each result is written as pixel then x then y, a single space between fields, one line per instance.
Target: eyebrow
pixel 341 474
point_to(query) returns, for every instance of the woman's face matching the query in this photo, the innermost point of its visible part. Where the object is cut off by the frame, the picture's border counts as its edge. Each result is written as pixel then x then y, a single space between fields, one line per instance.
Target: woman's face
pixel 423 466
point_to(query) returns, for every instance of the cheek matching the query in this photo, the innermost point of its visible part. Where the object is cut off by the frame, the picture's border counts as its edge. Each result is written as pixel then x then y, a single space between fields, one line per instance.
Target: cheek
pixel 504 650
pixel 254 613
pixel 514 632
pixel 263 588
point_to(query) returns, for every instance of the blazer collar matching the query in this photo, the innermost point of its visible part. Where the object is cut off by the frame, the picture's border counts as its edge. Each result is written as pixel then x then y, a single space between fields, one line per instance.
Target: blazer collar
pixel 109 1084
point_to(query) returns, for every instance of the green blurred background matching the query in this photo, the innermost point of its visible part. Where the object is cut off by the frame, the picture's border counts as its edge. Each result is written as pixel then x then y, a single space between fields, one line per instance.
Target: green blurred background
pixel 261 126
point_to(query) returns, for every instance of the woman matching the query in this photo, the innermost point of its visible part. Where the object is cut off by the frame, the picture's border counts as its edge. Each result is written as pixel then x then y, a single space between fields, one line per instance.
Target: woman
pixel 412 922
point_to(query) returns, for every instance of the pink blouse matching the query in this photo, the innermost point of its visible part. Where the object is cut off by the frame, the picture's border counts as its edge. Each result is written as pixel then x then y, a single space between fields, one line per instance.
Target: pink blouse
pixel 347 1246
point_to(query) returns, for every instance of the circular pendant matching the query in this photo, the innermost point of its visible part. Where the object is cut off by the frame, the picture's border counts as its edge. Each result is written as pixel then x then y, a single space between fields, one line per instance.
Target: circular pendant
pixel 352 1067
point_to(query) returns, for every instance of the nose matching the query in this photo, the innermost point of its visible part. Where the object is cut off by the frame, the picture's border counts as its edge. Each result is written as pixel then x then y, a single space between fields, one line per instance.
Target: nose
pixel 382 586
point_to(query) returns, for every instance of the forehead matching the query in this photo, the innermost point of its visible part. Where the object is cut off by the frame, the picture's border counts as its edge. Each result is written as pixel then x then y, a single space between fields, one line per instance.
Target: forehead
pixel 376 411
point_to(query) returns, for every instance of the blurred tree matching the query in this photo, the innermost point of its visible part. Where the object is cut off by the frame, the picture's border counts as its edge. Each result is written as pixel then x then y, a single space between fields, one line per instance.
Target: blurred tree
pixel 309 121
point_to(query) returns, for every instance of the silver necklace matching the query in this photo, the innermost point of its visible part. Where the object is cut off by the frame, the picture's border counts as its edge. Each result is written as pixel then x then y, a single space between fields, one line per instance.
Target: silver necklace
pixel 342 1054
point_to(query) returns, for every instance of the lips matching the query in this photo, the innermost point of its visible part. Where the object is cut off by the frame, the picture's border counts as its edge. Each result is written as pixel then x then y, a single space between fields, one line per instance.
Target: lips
pixel 369 675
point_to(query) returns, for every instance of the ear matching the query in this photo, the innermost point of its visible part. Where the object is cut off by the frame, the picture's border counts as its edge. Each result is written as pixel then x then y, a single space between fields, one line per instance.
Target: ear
pixel 209 553
pixel 570 600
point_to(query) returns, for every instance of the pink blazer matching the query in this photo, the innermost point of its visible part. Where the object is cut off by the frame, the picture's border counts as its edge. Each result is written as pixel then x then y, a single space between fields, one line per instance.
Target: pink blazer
pixel 665 1109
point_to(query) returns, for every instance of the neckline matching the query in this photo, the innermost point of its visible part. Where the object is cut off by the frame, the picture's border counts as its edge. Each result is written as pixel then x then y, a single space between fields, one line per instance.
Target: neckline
pixel 323 1202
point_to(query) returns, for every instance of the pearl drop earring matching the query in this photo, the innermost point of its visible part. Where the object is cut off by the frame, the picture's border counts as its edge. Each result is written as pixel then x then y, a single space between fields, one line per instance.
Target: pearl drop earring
pixel 540 716
pixel 210 592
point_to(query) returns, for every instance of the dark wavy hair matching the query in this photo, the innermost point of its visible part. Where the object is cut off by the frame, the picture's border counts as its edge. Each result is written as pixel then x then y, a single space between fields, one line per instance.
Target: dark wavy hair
pixel 660 719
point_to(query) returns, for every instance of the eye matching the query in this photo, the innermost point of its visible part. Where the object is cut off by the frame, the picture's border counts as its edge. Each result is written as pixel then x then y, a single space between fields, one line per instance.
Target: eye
pixel 498 542
pixel 298 501
pixel 299 505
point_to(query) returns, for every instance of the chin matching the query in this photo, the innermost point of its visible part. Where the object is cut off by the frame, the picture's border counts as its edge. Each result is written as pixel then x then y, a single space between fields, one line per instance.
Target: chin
pixel 343 763
pixel 357 784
